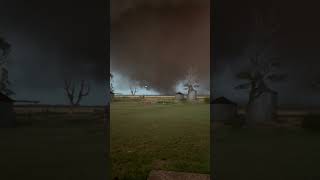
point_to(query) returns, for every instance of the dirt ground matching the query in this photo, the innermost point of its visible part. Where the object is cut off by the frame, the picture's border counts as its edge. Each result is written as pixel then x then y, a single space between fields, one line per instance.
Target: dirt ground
pixel 170 175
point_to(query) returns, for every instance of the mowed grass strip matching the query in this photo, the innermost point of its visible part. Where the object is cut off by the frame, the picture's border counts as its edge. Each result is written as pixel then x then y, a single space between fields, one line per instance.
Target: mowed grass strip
pixel 172 137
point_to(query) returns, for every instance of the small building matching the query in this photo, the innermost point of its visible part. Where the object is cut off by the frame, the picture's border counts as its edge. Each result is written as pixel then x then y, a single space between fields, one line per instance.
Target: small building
pixel 179 96
pixel 7 114
pixel 264 108
pixel 223 109
pixel 192 95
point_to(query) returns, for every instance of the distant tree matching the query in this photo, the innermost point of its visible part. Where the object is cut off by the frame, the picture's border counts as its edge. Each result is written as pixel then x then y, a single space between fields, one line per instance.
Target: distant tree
pixel 257 78
pixel 5 49
pixel 73 96
pixel 145 84
pixel 111 84
pixel 191 81
pixel 134 85
pixel 263 67
pixel 4 82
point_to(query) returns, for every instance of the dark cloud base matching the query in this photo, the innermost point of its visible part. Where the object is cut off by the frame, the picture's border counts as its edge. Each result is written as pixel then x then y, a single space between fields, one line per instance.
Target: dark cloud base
pixel 296 44
pixel 53 40
pixel 158 42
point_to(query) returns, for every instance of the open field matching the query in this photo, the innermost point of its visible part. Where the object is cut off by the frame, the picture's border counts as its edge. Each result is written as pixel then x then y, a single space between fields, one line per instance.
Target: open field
pixel 266 153
pixel 172 137
pixel 54 146
pixel 152 99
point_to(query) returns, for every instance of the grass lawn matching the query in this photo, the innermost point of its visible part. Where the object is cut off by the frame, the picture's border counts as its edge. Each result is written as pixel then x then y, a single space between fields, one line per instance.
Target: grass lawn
pixel 159 136
pixel 265 154
pixel 53 147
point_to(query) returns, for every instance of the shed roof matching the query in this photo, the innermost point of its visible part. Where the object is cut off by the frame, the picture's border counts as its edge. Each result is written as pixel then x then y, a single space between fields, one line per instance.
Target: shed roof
pixel 5 98
pixel 222 100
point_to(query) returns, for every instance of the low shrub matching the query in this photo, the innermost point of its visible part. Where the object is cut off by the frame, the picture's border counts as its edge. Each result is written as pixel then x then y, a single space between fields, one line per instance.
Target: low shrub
pixel 165 102
pixel 207 100
pixel 311 122
pixel 127 99
pixel 184 100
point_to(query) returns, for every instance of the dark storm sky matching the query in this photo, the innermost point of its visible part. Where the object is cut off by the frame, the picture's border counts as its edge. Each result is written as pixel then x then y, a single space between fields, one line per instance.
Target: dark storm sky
pixel 52 40
pixel 156 41
pixel 296 44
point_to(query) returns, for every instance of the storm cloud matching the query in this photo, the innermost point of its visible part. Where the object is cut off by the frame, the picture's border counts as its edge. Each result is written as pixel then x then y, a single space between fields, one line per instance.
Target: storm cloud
pixel 157 41
pixel 296 46
pixel 52 41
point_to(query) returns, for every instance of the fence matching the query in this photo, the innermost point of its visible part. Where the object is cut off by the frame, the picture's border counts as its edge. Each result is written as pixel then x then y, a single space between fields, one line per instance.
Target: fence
pixel 129 98
pixel 57 109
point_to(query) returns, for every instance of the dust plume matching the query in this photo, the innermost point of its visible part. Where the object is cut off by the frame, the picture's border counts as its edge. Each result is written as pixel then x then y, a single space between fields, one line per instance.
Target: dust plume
pixel 157 41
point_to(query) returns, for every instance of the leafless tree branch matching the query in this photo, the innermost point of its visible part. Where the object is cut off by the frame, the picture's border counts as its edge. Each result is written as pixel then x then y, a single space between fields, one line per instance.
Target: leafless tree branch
pixel 70 89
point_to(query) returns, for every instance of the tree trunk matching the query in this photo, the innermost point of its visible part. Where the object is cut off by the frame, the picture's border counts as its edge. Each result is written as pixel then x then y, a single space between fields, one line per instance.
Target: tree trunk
pixel 249 119
pixel 248 112
pixel 71 109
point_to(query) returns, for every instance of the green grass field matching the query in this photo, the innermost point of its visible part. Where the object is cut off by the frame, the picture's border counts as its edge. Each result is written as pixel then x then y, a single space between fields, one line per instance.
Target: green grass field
pixel 53 146
pixel 159 136
pixel 152 136
pixel 265 154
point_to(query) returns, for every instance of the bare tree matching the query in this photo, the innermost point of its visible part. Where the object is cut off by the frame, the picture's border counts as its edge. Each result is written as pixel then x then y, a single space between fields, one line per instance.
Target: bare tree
pixel 191 80
pixel 70 89
pixel 111 84
pixel 263 67
pixel 5 49
pixel 134 85
pixel 257 78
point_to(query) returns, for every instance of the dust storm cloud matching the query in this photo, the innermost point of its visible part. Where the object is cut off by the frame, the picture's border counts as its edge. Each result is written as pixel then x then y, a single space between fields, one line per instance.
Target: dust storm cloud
pixel 157 41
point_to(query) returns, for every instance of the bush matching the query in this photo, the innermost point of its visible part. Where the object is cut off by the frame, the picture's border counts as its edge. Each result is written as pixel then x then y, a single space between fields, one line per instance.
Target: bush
pixel 311 122
pixel 184 100
pixel 127 99
pixel 207 100
pixel 165 102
